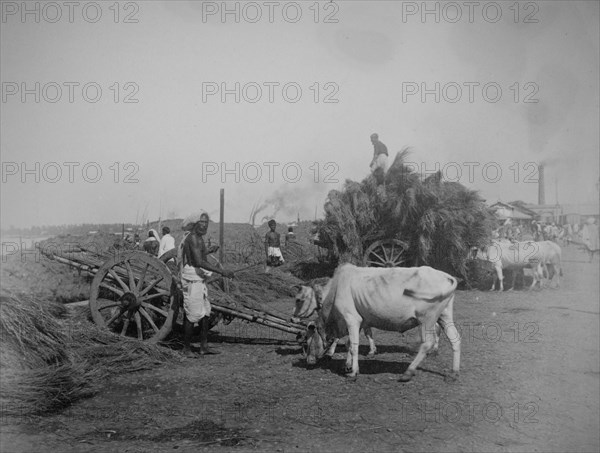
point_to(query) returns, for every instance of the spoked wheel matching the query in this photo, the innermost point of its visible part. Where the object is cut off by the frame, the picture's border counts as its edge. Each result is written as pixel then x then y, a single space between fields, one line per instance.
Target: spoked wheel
pixel 130 295
pixel 385 253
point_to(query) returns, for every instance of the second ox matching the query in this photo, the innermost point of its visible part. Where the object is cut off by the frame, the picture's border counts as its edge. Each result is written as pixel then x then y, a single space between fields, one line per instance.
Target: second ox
pixel 391 299
pixel 519 255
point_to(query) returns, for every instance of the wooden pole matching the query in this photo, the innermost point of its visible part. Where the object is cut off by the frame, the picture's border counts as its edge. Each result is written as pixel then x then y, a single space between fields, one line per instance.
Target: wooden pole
pixel 221 227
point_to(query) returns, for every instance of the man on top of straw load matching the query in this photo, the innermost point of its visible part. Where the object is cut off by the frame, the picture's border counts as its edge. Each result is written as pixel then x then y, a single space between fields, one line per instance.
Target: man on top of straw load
pixel 380 155
pixel 194 269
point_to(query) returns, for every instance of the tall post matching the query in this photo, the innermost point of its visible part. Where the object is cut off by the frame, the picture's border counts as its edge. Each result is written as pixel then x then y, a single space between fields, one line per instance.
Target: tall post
pixel 541 184
pixel 221 226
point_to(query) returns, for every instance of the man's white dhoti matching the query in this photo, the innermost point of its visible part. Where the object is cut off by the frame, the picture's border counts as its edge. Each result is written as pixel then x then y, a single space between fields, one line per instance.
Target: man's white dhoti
pixel 380 162
pixel 195 294
pixel 276 252
pixel 275 257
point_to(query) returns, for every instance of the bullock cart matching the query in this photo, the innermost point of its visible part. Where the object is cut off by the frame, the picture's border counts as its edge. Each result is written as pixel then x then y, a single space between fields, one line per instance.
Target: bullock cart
pixel 135 294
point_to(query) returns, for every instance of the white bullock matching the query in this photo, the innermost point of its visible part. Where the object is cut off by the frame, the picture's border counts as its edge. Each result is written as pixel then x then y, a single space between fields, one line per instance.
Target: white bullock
pixel 551 255
pixel 309 302
pixel 392 299
pixel 514 256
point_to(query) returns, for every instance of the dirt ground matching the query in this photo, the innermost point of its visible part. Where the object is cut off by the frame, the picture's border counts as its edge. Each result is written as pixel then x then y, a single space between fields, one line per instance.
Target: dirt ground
pixel 529 381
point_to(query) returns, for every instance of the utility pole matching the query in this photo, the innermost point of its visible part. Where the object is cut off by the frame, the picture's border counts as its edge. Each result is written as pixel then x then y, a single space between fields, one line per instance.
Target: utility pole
pixel 221 226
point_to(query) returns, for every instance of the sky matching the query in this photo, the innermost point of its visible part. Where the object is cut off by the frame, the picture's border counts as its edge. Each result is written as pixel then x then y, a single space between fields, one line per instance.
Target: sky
pixel 129 111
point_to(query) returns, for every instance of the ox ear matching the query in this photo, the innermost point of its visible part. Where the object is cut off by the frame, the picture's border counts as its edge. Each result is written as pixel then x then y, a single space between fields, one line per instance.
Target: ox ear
pixel 318 296
pixel 297 288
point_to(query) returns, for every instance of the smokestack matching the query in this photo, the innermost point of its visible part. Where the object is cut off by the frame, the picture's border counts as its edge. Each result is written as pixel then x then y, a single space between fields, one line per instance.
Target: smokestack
pixel 541 182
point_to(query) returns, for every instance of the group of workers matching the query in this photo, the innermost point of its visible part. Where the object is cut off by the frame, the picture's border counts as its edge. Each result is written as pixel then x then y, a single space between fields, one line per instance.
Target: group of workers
pixel 193 270
pixel 157 246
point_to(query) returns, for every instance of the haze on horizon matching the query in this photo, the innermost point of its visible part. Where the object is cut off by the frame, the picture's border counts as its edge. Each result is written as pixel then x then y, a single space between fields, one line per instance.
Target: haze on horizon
pixel 160 140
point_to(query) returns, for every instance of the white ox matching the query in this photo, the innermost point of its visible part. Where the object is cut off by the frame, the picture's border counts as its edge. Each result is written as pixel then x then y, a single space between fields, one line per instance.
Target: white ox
pixel 309 302
pixel 392 299
pixel 551 255
pixel 519 255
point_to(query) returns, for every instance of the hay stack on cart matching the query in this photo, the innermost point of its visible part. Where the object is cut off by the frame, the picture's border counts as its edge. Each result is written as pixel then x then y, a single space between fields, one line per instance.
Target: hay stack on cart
pixel 405 221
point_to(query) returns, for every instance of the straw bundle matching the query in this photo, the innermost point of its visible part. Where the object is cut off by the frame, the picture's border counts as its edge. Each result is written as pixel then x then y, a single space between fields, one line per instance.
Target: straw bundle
pixel 48 361
pixel 108 354
pixel 37 370
pixel 254 288
pixel 440 221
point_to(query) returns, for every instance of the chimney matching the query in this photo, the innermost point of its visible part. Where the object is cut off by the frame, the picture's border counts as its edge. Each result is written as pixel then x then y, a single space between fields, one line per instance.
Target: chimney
pixel 541 195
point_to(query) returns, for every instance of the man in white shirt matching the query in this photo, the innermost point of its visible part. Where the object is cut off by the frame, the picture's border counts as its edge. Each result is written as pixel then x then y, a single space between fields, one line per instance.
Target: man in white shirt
pixel 167 242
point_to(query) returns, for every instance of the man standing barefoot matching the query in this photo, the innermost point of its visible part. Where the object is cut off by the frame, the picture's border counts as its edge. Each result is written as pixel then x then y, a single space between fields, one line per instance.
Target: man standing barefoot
pixel 194 270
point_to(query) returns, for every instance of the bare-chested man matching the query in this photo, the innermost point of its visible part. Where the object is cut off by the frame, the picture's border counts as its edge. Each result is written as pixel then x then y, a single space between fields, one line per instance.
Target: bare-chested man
pixel 273 246
pixel 195 269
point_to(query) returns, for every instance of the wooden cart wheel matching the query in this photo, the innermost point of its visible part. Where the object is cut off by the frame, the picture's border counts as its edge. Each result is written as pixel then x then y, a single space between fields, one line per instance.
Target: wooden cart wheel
pixel 130 295
pixel 385 253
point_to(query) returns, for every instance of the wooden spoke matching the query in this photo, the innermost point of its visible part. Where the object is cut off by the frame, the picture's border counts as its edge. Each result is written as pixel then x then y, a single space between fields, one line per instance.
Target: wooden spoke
pixel 399 259
pixel 150 286
pixel 155 295
pixel 138 324
pixel 142 277
pixel 118 292
pixel 385 254
pixel 149 319
pixel 130 274
pixel 156 309
pixel 115 317
pixel 125 326
pixel 121 283
pixel 381 258
pixel 104 307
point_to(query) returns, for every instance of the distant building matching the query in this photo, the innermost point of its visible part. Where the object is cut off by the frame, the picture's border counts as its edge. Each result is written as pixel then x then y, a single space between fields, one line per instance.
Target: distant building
pixel 579 213
pixel 506 211
pixel 546 212
pixel 566 213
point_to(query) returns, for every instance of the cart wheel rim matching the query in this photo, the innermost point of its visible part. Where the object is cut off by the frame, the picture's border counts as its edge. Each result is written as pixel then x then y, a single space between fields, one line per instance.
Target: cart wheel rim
pixel 130 295
pixel 385 253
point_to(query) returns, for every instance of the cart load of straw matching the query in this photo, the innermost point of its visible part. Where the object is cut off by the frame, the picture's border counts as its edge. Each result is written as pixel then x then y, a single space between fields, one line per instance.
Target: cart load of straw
pixel 255 288
pixel 48 360
pixel 439 221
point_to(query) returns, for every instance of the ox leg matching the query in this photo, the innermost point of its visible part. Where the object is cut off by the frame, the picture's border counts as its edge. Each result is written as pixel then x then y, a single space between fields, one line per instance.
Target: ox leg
pixel 447 322
pixel 499 277
pixel 436 343
pixel 514 278
pixel 353 340
pixel 428 333
pixel 538 276
pixel 348 368
pixel 331 349
pixel 372 348
pixel 557 272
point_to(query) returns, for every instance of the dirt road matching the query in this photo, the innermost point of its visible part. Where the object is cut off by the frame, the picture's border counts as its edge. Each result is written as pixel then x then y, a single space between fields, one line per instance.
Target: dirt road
pixel 529 382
